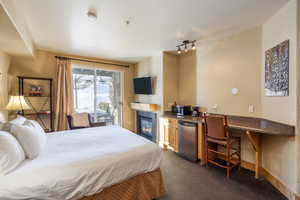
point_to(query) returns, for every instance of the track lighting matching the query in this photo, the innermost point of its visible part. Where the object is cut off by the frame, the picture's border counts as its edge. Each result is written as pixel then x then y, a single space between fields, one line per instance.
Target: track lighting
pixel 185 44
pixel 185 49
pixel 193 46
pixel 179 50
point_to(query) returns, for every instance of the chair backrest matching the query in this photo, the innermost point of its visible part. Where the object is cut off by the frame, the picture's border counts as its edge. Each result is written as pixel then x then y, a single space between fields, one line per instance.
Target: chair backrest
pixel 216 126
pixel 70 122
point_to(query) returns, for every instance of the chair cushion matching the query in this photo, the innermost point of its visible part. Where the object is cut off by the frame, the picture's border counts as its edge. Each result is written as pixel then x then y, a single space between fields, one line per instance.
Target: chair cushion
pixel 80 120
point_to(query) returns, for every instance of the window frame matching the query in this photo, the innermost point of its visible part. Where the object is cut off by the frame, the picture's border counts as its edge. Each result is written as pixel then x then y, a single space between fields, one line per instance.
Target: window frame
pixel 122 86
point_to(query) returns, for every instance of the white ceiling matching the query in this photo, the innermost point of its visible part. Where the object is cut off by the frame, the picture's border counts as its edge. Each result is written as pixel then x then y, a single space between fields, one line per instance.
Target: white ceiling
pixel 156 25
pixel 10 40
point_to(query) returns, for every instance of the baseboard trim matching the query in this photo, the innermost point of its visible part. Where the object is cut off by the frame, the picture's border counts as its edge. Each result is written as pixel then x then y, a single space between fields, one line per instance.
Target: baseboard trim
pixel 273 180
pixel 278 185
pixel 248 165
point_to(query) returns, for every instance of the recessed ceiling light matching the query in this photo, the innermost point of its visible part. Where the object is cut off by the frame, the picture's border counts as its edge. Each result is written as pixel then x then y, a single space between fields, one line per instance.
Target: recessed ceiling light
pixel 92 15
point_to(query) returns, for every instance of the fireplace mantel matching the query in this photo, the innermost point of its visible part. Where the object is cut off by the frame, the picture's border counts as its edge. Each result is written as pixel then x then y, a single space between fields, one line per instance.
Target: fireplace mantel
pixel 144 107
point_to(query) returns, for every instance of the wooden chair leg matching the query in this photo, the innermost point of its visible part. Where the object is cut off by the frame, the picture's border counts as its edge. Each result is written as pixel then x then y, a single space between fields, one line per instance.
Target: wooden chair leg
pixel 228 159
pixel 240 153
pixel 206 149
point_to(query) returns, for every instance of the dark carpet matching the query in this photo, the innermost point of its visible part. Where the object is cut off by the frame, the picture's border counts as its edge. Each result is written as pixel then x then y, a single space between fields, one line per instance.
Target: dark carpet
pixel 185 180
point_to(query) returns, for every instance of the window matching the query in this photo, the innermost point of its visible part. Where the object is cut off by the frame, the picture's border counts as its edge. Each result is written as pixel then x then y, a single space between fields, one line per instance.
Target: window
pixel 98 92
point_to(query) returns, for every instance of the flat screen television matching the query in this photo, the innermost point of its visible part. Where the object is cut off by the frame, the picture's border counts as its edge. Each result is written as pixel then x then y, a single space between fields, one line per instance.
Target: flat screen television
pixel 142 85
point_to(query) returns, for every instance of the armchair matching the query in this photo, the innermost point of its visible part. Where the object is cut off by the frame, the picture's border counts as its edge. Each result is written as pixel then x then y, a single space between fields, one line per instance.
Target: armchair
pixel 90 123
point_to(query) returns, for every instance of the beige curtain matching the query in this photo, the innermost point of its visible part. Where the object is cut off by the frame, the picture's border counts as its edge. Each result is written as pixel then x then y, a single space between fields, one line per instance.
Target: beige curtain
pixel 64 94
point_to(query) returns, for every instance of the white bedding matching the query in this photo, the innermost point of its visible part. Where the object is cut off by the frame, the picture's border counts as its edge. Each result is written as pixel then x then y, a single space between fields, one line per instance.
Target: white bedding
pixel 80 163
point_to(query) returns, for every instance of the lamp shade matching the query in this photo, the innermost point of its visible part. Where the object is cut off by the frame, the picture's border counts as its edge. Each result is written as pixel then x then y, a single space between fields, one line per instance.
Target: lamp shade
pixel 17 103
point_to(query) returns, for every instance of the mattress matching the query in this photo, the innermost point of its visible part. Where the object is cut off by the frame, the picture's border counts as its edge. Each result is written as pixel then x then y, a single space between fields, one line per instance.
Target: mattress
pixel 81 163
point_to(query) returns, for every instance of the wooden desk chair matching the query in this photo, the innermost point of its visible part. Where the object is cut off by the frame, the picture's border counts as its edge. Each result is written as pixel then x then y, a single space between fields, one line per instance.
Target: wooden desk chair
pixel 90 123
pixel 216 132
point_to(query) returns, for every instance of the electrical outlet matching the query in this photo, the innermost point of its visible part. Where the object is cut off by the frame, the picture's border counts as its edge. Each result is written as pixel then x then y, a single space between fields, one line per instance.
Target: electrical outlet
pixel 215 106
pixel 251 108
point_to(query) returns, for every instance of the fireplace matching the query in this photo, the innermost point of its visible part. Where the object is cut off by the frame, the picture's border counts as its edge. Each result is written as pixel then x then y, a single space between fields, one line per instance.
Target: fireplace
pixel 146 124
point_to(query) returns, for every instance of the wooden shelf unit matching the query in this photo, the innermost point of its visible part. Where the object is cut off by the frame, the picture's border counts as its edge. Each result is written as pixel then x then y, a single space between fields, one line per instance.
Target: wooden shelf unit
pixel 39 114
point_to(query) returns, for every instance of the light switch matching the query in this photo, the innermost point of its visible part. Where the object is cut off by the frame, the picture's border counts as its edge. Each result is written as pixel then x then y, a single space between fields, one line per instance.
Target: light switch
pixel 214 108
pixel 251 108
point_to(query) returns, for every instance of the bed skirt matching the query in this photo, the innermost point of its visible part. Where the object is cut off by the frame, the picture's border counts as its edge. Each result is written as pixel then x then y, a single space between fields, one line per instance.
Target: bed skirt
pixel 142 187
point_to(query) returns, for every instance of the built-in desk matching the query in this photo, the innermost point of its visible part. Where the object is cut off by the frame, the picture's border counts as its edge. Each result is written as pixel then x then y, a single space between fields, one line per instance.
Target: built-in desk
pixel 261 126
pixel 252 127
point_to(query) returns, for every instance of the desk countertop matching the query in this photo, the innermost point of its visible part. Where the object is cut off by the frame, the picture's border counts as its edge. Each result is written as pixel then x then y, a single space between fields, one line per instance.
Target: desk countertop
pixel 257 125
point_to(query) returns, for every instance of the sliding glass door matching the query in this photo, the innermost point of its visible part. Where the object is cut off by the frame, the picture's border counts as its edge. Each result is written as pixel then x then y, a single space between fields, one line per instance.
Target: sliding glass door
pixel 98 92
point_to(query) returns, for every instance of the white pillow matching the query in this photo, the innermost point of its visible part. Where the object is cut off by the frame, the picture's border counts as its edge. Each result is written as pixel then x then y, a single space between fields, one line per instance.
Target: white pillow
pixel 19 120
pixel 34 124
pixel 11 153
pixel 31 139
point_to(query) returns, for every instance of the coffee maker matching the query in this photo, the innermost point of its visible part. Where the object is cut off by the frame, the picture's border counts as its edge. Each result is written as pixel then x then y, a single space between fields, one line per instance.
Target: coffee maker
pixel 195 111
pixel 180 110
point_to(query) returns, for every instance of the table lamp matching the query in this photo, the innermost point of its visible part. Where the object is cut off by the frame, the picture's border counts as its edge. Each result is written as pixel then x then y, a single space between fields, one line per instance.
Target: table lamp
pixel 17 103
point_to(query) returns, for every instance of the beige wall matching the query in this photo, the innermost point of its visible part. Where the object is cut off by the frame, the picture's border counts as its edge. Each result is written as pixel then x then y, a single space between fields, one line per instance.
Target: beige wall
pixel 284 24
pixel 280 153
pixel 44 65
pixel 187 78
pixel 180 79
pixel 4 67
pixel 171 80
pixel 234 62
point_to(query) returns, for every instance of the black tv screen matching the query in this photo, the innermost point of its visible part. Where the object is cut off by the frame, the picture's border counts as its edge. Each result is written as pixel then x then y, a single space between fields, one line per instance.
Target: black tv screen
pixel 142 85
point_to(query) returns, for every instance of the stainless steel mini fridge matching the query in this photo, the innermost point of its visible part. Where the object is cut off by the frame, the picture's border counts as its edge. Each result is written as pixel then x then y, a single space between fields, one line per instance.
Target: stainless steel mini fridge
pixel 188 140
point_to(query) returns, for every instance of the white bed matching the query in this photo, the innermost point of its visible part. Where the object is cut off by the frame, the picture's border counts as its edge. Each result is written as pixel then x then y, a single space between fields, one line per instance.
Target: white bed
pixel 81 162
